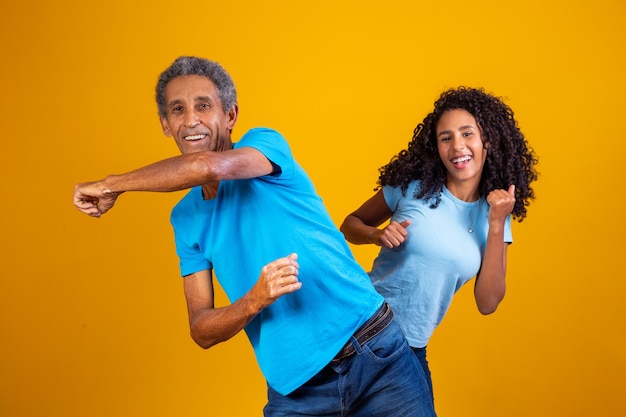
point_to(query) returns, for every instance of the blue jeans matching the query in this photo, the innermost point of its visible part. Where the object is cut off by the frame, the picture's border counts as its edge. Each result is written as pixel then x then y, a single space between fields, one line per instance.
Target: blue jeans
pixel 420 354
pixel 382 379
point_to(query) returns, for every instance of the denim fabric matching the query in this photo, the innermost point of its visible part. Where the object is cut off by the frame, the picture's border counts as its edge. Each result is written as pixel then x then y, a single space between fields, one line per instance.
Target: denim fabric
pixel 420 354
pixel 383 379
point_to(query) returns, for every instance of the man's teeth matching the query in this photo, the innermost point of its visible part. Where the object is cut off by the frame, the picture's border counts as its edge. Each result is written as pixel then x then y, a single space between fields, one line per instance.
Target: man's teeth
pixel 194 137
pixel 461 159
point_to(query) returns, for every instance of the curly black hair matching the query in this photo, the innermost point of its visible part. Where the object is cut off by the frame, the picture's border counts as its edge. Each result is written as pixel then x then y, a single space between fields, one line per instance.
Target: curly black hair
pixel 510 160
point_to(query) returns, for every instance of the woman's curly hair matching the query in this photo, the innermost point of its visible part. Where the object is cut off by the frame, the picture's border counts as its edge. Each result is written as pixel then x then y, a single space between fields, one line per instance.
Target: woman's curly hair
pixel 510 160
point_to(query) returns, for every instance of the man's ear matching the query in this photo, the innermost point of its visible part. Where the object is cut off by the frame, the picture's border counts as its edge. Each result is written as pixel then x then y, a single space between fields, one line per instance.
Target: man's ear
pixel 232 116
pixel 165 126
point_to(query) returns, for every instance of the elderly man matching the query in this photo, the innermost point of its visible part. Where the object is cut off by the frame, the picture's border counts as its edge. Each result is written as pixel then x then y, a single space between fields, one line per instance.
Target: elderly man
pixel 324 339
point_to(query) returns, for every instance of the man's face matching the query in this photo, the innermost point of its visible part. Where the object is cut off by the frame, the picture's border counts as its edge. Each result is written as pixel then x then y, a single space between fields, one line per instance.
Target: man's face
pixel 195 117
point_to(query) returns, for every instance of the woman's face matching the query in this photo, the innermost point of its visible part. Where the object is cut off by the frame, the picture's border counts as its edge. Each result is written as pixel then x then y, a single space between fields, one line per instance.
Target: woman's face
pixel 461 149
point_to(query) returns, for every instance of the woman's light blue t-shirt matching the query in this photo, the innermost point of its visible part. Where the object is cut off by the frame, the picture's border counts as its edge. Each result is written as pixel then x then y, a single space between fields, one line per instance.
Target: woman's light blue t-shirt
pixel 420 277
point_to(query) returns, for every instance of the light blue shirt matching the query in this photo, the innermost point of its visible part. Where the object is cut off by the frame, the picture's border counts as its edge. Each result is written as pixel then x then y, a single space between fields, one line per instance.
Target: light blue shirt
pixel 420 277
pixel 253 222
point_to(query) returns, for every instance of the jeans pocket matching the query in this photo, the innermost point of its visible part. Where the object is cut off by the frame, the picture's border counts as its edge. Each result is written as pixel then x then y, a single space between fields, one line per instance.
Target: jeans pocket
pixel 388 345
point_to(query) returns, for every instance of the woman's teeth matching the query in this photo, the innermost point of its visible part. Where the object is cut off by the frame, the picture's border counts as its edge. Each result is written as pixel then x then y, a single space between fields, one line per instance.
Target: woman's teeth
pixel 461 159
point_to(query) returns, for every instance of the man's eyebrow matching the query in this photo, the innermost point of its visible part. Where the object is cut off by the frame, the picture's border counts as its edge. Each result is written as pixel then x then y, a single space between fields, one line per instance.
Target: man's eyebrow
pixel 173 102
pixel 198 98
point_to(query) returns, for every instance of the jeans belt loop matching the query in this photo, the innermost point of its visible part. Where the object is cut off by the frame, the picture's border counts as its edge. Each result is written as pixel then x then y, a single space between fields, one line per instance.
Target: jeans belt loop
pixel 379 321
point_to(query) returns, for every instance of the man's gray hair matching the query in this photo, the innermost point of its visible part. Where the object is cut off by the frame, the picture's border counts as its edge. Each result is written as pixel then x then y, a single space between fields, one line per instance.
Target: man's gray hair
pixel 191 65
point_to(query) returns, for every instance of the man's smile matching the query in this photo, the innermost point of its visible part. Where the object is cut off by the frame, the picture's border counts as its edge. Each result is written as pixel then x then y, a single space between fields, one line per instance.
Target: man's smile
pixel 194 137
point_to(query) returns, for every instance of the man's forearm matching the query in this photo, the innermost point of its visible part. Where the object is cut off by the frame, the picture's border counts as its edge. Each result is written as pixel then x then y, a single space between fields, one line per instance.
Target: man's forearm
pixel 216 325
pixel 172 174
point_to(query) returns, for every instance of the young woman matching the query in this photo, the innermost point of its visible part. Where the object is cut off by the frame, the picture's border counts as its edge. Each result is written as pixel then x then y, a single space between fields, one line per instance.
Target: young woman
pixel 449 198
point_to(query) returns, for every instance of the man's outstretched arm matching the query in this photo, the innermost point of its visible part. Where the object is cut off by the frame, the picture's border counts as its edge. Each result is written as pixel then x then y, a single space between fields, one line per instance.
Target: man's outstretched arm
pixel 172 174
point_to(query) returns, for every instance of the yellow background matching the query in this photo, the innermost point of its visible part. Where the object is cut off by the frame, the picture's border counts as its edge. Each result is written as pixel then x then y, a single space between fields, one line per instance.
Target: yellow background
pixel 92 315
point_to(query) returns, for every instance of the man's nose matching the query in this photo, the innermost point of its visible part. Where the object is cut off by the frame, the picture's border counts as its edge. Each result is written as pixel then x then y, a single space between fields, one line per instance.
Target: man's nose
pixel 192 119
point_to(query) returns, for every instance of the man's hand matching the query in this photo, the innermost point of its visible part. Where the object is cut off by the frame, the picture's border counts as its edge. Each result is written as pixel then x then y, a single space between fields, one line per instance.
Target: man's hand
pixel 277 278
pixel 93 198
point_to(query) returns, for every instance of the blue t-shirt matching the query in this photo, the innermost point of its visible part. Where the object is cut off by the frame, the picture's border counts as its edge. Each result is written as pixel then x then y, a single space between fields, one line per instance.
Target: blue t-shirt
pixel 420 277
pixel 253 222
